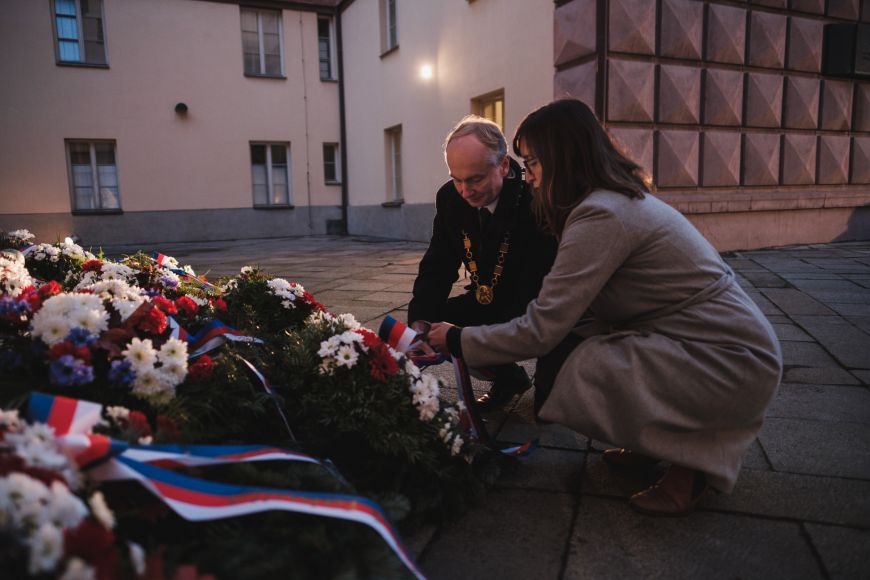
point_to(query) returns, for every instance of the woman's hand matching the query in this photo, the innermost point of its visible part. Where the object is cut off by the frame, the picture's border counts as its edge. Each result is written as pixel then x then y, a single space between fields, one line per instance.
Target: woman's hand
pixel 438 336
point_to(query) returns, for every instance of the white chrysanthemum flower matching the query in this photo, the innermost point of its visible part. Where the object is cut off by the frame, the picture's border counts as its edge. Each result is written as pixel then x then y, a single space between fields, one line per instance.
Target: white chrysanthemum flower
pixel 101 510
pixel 346 356
pixel 412 369
pixel 126 307
pixel 349 337
pixel 78 569
pixel 349 321
pixel 65 509
pixel 151 384
pixel 146 440
pixel 137 558
pixel 231 285
pixel 14 276
pixel 46 548
pixel 117 413
pixel 141 354
pixel 94 321
pixel 9 420
pixel 246 270
pixel 51 329
pixel 457 445
pixel 174 372
pixel 173 351
pixel 22 501
pixel 20 236
pixel 114 271
pixel 329 347
pixel 199 301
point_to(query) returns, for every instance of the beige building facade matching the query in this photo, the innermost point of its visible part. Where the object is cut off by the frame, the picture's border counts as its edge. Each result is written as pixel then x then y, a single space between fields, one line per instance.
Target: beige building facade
pixel 125 121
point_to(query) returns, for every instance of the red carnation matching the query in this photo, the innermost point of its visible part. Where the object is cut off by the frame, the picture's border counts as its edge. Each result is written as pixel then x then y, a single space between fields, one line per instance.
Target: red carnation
pixel 370 339
pixel 51 288
pixel 382 364
pixel 94 544
pixel 165 305
pixel 154 322
pixel 202 369
pixel 92 266
pixel 187 305
pixel 138 423
pixel 60 349
pixel 219 305
pixel 167 429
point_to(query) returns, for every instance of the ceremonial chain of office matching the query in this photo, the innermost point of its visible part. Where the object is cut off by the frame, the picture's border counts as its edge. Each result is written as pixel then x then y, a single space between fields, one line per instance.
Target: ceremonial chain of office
pixel 483 293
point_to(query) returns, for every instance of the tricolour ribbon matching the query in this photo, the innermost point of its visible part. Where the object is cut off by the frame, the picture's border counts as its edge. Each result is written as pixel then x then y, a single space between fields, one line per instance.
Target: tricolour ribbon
pixel 213 335
pixel 397 334
pixel 192 498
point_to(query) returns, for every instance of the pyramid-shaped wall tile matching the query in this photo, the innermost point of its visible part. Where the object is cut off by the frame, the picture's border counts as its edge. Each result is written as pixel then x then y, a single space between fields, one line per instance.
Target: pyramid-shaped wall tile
pixel 574 31
pixel 679 94
pixel 805 44
pixel 833 159
pixel 677 159
pixel 836 105
pixel 813 6
pixel 843 9
pixel 860 160
pixel 862 107
pixel 801 103
pixel 630 89
pixel 726 33
pixel 767 40
pixel 637 144
pixel 774 3
pixel 577 82
pixel 760 159
pixel 633 26
pixel 799 159
pixel 763 100
pixel 721 158
pixel 682 24
pixel 723 97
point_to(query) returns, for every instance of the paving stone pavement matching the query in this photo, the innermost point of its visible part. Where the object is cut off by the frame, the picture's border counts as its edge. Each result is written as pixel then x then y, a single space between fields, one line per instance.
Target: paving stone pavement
pixel 801 508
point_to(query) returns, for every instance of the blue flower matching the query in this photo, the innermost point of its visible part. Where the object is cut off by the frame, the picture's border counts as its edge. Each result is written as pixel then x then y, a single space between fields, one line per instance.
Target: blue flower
pixel 121 374
pixel 80 337
pixel 66 372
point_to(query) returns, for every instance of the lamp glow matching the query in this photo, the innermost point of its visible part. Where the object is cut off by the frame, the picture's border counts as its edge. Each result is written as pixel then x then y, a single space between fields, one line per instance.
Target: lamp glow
pixel 426 72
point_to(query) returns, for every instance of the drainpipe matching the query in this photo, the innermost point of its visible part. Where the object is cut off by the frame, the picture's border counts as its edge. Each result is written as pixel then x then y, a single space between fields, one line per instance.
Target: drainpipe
pixel 341 115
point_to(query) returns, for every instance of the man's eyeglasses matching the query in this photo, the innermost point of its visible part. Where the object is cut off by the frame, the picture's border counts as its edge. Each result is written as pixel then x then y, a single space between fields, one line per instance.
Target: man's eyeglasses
pixel 529 162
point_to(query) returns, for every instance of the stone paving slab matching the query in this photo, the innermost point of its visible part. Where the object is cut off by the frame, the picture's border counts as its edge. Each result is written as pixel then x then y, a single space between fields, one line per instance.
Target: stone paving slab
pixel 817 447
pixel 822 403
pixel 843 550
pixel 842 339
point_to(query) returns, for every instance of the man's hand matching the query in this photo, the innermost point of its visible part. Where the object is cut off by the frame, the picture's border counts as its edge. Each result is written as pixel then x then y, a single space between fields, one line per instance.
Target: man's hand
pixel 438 336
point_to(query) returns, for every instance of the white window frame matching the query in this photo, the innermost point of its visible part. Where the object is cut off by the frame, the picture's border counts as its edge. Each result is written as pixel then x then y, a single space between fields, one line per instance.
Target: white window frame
pixel 261 47
pixel 80 31
pixel 333 65
pixel 479 105
pixel 389 25
pixel 270 186
pixel 336 152
pixel 393 149
pixel 95 176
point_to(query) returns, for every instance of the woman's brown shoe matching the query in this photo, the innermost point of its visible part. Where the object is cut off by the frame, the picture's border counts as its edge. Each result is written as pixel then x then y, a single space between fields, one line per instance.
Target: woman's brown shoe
pixel 675 494
pixel 628 459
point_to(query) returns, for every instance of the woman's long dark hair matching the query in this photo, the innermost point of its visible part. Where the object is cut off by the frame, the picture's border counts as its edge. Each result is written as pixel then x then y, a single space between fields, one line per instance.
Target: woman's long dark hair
pixel 577 156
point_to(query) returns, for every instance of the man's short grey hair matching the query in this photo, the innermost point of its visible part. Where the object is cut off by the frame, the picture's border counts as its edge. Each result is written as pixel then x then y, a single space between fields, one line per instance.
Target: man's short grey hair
pixel 486 131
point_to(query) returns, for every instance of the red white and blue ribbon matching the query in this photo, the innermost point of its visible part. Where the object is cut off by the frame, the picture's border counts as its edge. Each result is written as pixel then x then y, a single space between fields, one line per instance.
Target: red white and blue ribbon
pixel 176 330
pixel 397 334
pixel 213 335
pixel 192 498
pixel 268 388
pixel 164 262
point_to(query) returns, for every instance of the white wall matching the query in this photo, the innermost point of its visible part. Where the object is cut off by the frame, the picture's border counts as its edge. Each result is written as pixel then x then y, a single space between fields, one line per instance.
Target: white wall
pixel 475 48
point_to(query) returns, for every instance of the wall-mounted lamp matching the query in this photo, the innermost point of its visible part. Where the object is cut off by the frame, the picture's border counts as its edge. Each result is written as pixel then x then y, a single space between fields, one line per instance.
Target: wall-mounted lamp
pixel 427 72
pixel 181 109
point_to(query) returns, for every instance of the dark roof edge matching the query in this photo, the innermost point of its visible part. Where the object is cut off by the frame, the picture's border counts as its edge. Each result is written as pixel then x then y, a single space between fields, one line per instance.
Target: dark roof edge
pixel 322 6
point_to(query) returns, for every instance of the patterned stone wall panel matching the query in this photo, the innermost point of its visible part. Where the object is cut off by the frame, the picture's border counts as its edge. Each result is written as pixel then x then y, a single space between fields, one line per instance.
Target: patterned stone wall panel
pixel 805 44
pixel 637 145
pixel 767 39
pixel 773 3
pixel 723 97
pixel 843 9
pixel 801 103
pixel 630 88
pixel 632 26
pixel 682 25
pixel 860 160
pixel 812 6
pixel 865 11
pixel 677 159
pixel 574 31
pixel 721 161
pixel 760 159
pixel 679 94
pixel 833 159
pixel 799 159
pixel 862 107
pixel 763 100
pixel 836 105
pixel 726 33
pixel 578 82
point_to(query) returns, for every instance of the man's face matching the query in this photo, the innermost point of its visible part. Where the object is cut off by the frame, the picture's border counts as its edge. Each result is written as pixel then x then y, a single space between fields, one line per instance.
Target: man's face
pixel 476 178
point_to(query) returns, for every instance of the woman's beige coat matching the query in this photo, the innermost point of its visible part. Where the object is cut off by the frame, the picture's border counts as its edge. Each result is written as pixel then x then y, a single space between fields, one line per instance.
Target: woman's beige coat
pixel 678 364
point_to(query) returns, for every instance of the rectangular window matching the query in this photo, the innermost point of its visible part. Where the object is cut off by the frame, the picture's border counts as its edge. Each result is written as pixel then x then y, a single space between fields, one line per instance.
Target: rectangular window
pixel 389 26
pixel 393 141
pixel 93 176
pixel 270 174
pixel 331 163
pixel 326 49
pixel 79 34
pixel 490 106
pixel 262 42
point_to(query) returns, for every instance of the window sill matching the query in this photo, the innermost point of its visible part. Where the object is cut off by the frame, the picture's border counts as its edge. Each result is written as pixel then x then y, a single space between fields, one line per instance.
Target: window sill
pixel 394 203
pixel 328 80
pixel 97 211
pixel 272 207
pixel 274 77
pixel 75 64
pixel 332 182
pixel 390 51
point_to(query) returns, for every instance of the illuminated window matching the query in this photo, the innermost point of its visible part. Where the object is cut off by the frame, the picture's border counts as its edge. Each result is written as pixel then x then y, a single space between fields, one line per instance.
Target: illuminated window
pixel 389 26
pixel 393 142
pixel 490 106
pixel 79 34
pixel 93 176
pixel 262 42
pixel 270 174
